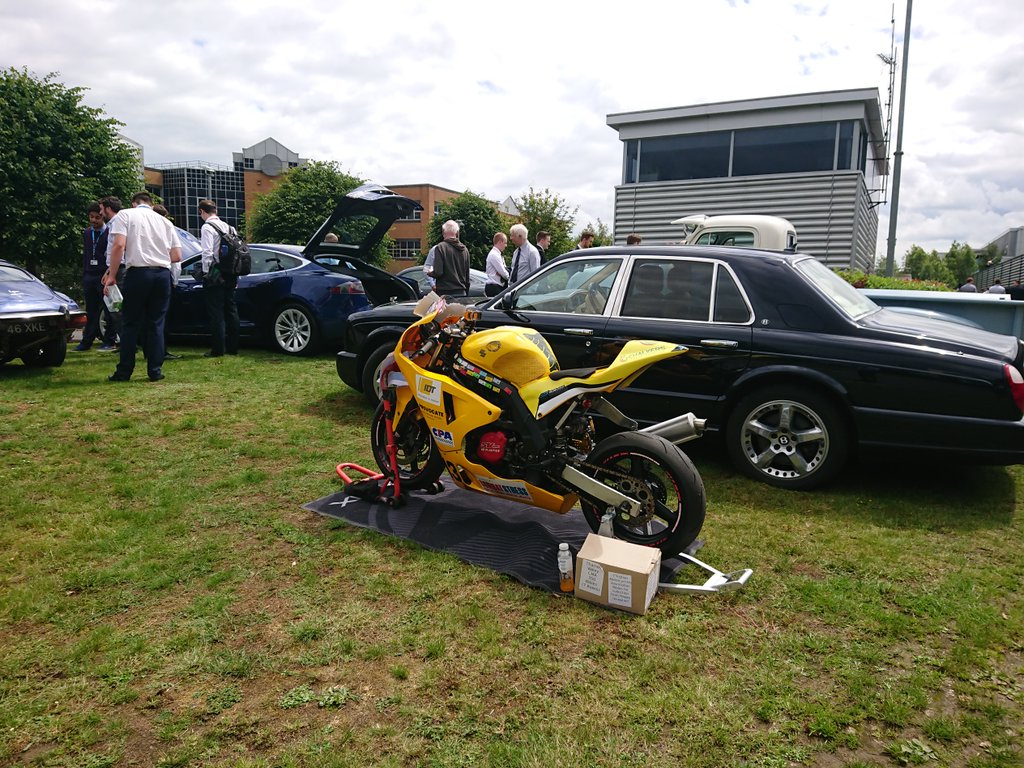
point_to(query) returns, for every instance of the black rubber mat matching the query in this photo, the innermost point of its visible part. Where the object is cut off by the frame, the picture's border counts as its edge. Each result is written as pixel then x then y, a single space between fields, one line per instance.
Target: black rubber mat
pixel 507 537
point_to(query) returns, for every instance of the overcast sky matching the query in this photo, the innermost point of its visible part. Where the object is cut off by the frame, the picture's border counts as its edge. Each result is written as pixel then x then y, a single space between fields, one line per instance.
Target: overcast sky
pixel 498 98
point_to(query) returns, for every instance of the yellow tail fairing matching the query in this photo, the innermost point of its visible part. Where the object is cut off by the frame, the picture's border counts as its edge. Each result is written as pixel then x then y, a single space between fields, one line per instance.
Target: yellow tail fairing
pixel 544 395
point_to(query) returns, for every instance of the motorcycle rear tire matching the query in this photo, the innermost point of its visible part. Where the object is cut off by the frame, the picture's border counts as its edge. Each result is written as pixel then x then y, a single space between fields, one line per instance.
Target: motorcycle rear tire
pixel 419 461
pixel 658 471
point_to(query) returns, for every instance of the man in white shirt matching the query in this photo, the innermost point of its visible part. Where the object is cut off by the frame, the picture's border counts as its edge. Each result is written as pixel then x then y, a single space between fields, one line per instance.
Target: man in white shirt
pixel 526 259
pixel 148 245
pixel 219 289
pixel 497 272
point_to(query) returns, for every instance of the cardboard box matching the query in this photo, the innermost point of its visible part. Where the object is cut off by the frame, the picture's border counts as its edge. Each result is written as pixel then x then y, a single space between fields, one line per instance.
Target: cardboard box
pixel 617 574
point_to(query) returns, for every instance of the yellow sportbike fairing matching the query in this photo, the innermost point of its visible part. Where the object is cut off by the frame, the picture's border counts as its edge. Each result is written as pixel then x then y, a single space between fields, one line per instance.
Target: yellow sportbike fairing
pixel 544 395
pixel 451 411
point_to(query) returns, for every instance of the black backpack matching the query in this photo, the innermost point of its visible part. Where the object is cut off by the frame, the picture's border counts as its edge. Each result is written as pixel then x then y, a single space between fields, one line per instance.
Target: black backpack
pixel 233 257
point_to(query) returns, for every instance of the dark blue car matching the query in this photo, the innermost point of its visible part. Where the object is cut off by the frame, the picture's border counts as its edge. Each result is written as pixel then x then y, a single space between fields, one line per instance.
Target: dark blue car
pixel 36 321
pixel 298 298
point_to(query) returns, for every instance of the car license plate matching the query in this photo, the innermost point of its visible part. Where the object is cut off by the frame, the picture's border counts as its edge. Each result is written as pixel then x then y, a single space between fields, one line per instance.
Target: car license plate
pixel 36 327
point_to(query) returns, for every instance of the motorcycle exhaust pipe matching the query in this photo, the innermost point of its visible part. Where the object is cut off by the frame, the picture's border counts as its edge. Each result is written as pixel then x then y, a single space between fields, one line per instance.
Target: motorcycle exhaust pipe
pixel 679 430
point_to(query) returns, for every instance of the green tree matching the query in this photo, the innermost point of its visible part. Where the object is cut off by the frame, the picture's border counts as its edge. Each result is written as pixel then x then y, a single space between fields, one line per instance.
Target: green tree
pixel 549 212
pixel 602 235
pixel 961 262
pixel 990 254
pixel 478 221
pixel 306 196
pixel 925 265
pixel 56 156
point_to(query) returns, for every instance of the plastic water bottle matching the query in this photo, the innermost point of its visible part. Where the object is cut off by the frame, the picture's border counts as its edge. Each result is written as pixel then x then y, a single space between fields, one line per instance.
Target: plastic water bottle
pixel 606 528
pixel 567 581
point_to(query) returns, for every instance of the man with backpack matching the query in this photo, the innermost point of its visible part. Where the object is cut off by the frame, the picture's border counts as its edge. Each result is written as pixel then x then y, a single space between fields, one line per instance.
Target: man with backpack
pixel 219 283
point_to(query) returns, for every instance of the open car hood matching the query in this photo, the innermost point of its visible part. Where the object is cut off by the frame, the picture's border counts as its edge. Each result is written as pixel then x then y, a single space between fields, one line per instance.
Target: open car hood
pixel 361 219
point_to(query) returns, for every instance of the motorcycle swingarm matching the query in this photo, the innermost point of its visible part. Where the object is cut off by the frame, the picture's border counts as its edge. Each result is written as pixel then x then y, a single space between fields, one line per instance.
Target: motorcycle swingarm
pixel 598 490
pixel 716 582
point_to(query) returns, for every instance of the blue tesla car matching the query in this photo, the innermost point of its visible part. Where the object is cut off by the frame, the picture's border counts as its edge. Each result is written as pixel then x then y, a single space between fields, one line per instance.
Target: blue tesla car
pixel 298 298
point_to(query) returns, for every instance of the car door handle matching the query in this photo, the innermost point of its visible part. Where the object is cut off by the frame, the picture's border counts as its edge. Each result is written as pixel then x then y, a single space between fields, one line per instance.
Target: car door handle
pixel 719 343
pixel 579 331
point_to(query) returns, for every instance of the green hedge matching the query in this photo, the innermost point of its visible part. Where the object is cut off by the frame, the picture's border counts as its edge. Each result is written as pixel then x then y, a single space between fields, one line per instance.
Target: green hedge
pixel 860 280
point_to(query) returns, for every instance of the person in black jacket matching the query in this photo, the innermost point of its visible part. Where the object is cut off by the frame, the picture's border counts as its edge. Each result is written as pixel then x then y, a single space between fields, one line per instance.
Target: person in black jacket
pixel 94 264
pixel 451 263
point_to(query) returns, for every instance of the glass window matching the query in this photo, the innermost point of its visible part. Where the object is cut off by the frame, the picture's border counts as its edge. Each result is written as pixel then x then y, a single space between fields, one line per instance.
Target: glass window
pixel 844 157
pixel 732 237
pixel 13 275
pixel 404 249
pixel 694 156
pixel 632 166
pixel 850 301
pixel 645 294
pixel 784 149
pixel 580 286
pixel 271 261
pixel 729 304
pixel 688 290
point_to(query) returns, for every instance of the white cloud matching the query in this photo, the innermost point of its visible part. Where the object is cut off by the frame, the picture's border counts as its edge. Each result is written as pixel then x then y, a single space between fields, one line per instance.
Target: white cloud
pixel 461 96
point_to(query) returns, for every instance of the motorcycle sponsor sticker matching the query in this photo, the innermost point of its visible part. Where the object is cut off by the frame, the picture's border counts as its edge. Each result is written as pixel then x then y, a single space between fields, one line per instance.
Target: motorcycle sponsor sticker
pixel 442 436
pixel 427 390
pixel 437 414
pixel 514 488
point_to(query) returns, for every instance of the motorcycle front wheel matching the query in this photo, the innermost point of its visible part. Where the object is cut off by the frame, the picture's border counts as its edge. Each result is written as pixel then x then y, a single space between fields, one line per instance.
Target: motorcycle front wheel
pixel 419 461
pixel 658 475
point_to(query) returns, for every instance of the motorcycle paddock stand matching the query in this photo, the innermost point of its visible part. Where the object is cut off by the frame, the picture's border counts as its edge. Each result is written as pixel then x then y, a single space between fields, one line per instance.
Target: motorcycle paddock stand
pixel 376 487
pixel 716 582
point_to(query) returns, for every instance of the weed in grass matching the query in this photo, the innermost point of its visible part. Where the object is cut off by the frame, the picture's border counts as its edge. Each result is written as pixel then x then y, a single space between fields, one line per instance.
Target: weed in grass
pixel 336 696
pixel 911 752
pixel 223 699
pixel 296 697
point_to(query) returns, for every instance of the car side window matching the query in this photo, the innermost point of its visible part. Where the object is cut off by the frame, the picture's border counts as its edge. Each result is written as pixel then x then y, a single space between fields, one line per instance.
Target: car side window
pixel 645 294
pixel 688 290
pixel 729 304
pixel 580 286
pixel 271 261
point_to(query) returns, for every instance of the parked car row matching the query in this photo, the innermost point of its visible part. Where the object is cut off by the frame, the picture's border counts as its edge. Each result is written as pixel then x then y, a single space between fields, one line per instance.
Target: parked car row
pixel 793 367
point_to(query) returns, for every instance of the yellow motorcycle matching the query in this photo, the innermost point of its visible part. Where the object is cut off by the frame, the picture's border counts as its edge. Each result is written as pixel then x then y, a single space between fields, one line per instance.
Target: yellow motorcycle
pixel 492 408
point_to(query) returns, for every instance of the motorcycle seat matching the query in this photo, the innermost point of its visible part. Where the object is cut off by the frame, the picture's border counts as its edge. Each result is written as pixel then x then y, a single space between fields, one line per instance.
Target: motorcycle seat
pixel 574 373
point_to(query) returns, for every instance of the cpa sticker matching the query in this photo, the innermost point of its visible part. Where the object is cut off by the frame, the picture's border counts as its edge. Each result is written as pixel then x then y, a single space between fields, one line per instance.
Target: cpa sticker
pixel 428 390
pixel 442 436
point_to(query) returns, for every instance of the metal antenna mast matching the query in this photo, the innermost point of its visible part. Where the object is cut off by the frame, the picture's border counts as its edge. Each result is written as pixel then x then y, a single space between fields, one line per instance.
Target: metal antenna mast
pixel 898 154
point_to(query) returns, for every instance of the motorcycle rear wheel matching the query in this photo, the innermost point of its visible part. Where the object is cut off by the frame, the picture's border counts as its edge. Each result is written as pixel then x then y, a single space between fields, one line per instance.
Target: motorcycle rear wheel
pixel 655 472
pixel 419 461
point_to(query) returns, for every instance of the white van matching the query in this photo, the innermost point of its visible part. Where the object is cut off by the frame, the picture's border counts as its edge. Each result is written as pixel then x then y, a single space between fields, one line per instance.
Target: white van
pixel 772 233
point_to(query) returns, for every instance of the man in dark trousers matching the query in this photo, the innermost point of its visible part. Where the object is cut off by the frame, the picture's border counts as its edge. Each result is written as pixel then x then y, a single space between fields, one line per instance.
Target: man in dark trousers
pixel 94 264
pixel 219 289
pixel 451 263
pixel 148 244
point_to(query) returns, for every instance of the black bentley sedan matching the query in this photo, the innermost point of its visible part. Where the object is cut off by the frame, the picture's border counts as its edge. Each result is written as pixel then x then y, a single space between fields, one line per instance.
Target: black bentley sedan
pixel 794 367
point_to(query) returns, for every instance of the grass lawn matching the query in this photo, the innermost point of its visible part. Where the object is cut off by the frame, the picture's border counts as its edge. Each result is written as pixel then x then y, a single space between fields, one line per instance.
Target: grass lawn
pixel 165 601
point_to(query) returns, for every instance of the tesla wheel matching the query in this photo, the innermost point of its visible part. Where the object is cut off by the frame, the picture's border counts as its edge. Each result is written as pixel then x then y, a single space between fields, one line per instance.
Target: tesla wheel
pixel 789 437
pixel 371 372
pixel 294 330
pixel 419 460
pixel 662 478
pixel 49 354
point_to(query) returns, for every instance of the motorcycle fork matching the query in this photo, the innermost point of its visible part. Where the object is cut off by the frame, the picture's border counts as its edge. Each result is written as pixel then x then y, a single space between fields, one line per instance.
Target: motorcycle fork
pixel 388 399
